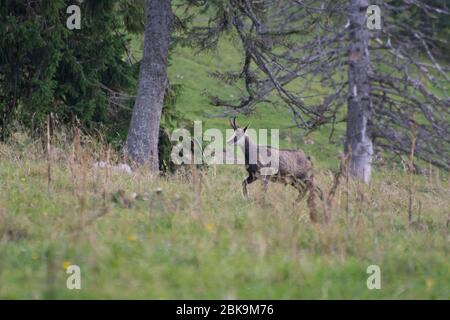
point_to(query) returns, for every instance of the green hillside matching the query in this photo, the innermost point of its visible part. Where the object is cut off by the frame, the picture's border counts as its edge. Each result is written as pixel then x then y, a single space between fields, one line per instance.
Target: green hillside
pixel 192 69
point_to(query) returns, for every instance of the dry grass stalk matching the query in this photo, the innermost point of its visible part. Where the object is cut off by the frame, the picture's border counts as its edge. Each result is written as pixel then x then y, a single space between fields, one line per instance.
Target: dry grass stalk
pixel 79 172
pixel 106 176
pixel 411 174
pixel 197 183
pixel 347 164
pixel 312 202
pixel 336 180
pixel 448 221
pixel 49 151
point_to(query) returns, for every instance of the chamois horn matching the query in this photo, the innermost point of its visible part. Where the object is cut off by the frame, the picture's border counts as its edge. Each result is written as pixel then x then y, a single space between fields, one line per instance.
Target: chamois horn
pixel 233 123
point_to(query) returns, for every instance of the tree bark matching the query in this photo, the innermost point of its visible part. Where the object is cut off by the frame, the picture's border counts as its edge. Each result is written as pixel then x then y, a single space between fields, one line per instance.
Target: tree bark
pixel 143 134
pixel 358 146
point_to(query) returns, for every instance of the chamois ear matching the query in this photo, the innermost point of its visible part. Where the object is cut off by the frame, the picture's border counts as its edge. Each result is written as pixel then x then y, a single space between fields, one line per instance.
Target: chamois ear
pixel 246 127
pixel 233 123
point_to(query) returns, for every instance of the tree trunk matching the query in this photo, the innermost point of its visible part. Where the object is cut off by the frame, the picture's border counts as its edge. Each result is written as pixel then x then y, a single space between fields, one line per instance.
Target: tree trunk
pixel 358 144
pixel 143 134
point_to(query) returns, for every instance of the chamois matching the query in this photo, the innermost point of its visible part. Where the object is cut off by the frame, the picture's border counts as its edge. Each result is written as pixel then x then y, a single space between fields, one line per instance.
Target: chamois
pixel 294 167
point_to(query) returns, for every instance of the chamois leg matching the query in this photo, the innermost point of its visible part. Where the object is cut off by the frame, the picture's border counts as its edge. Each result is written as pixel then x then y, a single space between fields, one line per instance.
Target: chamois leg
pixel 247 181
pixel 301 187
pixel 265 184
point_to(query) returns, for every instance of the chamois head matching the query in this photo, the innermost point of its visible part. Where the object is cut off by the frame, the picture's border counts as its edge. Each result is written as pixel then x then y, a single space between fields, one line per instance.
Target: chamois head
pixel 239 133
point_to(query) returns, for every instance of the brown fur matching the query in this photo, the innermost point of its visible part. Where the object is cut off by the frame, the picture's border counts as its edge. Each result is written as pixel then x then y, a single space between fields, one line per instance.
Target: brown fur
pixel 295 169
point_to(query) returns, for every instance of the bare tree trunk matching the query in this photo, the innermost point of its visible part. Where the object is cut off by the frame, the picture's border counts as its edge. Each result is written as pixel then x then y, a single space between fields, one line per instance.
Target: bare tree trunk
pixel 359 144
pixel 143 135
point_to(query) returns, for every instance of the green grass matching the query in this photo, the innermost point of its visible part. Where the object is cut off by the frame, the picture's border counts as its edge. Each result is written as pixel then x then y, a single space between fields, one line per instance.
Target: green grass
pixel 178 243
pixel 212 244
pixel 192 69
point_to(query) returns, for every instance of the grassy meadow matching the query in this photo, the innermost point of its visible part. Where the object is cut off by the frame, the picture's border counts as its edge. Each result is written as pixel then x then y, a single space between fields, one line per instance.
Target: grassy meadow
pixel 147 237
pixel 191 235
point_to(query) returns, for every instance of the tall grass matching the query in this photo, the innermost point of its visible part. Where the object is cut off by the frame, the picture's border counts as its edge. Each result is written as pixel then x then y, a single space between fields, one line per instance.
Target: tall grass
pixel 144 236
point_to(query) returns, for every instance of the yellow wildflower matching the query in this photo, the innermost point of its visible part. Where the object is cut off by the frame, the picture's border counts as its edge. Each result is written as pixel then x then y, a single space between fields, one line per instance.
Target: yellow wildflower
pixel 132 238
pixel 66 264
pixel 209 227
pixel 429 283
